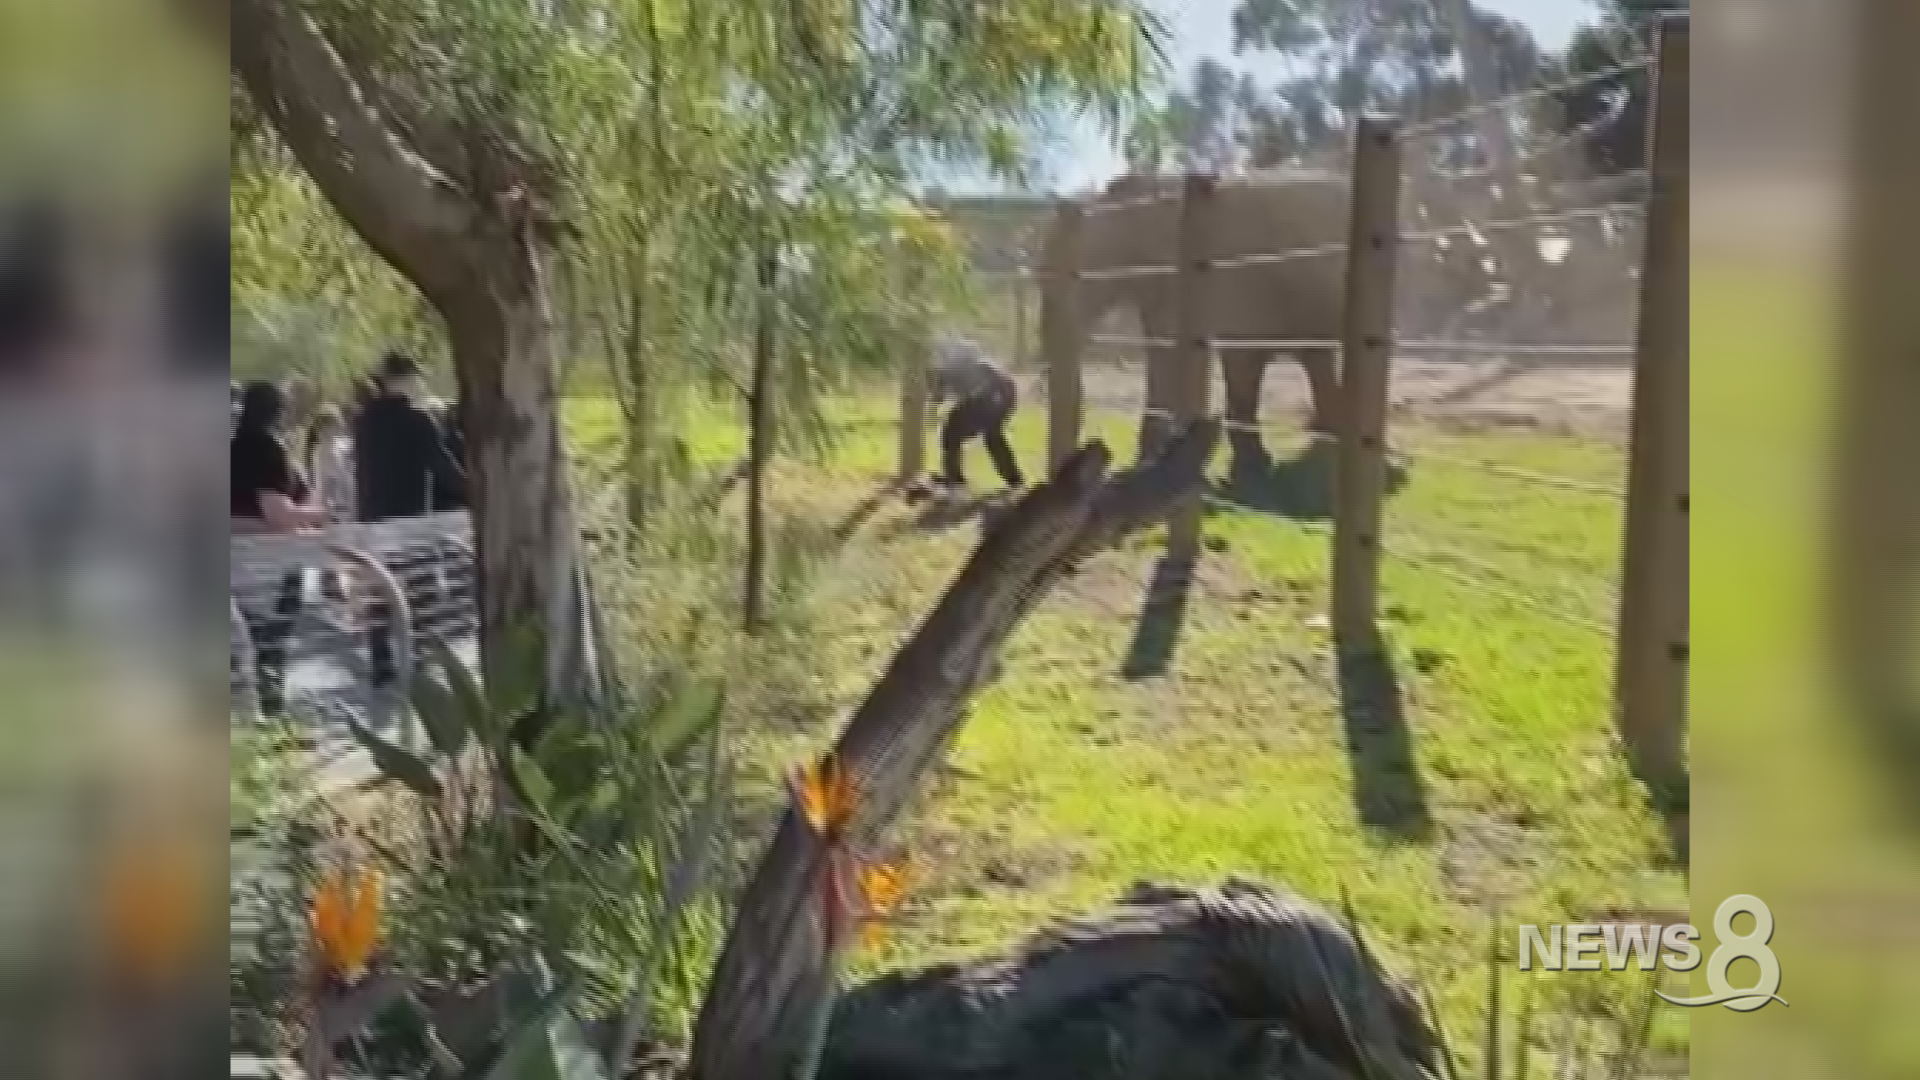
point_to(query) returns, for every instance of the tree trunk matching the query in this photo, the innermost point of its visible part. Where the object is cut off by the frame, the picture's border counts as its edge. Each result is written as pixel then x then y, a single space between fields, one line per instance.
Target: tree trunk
pixel 633 382
pixel 525 544
pixel 760 444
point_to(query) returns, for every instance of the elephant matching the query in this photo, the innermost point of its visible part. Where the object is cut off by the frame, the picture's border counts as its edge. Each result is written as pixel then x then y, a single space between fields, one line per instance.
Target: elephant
pixel 1298 300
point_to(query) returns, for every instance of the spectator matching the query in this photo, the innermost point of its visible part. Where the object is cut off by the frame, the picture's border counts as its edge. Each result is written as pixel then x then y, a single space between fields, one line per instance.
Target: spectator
pixel 328 454
pixel 401 461
pixel 267 490
pixel 268 493
pixel 365 389
pixel 36 311
pixel 303 397
pixel 198 268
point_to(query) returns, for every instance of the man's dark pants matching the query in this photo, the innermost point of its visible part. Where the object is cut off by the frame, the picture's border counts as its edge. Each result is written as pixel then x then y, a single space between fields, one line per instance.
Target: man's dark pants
pixel 983 416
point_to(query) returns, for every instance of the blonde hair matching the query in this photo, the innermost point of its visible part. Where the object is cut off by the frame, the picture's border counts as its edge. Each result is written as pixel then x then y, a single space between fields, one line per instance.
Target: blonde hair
pixel 327 416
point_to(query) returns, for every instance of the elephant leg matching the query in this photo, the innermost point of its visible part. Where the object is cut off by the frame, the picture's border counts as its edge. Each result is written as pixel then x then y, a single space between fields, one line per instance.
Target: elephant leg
pixel 1156 423
pixel 1323 384
pixel 1244 372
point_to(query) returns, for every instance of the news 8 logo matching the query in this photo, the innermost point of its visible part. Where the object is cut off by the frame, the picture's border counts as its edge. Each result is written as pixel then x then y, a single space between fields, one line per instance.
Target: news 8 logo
pixel 1735 946
pixel 1578 947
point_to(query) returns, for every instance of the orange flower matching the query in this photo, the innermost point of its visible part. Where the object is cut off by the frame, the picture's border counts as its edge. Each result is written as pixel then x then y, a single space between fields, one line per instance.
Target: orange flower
pixel 346 922
pixel 854 892
pixel 857 895
pixel 825 794
pixel 153 912
pixel 881 887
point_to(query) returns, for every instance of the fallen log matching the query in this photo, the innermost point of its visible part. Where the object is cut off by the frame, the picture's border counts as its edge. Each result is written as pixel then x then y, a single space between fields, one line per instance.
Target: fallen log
pixel 1241 982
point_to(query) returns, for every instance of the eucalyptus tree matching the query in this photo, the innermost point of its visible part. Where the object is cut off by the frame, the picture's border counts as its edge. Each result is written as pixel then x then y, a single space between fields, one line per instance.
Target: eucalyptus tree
pixel 1416 58
pixel 1605 104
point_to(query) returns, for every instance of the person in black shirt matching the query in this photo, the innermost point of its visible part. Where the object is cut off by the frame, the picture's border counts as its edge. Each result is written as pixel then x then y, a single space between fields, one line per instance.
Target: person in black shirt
pixel 402 468
pixel 268 492
pixel 402 465
pixel 266 486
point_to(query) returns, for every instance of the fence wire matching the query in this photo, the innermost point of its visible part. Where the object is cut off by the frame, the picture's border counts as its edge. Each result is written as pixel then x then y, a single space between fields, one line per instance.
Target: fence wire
pixel 1440 123
pixel 1504 348
pixel 1235 262
pixel 1560 217
pixel 1565 483
pixel 1111 206
pixel 1430 561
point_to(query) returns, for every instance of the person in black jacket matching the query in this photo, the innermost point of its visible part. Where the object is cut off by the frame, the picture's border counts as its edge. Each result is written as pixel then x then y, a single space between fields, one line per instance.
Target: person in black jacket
pixel 401 462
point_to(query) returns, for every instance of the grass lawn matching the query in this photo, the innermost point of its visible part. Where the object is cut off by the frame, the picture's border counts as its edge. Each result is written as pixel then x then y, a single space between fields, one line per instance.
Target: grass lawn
pixel 1190 746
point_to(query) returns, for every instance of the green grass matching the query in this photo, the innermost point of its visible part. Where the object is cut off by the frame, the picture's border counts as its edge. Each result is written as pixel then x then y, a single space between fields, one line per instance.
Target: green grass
pixel 1069 781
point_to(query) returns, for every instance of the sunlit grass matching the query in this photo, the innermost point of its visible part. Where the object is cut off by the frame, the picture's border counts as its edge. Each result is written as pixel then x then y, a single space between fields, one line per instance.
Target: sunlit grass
pixel 1070 782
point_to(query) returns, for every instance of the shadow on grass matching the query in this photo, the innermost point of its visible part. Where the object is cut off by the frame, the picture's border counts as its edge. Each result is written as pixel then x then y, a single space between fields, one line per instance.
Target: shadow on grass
pixel 939 512
pixel 1671 798
pixel 1301 488
pixel 1387 790
pixel 1162 616
pixel 862 513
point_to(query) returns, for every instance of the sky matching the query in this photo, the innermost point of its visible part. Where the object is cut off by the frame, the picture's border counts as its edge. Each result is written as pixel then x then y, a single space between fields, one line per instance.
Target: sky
pixel 1202 28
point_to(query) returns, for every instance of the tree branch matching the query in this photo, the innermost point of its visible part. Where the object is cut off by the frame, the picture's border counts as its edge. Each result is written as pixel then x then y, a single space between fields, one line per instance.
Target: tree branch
pixel 769 970
pixel 405 209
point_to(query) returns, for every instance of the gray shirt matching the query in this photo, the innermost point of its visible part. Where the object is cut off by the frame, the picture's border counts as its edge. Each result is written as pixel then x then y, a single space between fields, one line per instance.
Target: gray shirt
pixel 962 370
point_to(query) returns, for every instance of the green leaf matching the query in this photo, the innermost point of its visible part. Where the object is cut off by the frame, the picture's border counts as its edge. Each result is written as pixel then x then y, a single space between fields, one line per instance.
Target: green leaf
pixel 442 713
pixel 688 712
pixel 574 755
pixel 530 782
pixel 548 1045
pixel 465 687
pixel 516 688
pixel 395 763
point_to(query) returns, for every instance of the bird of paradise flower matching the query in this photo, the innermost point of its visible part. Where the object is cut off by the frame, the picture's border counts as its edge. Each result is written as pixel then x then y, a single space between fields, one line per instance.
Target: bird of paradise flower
pixel 345 920
pixel 857 892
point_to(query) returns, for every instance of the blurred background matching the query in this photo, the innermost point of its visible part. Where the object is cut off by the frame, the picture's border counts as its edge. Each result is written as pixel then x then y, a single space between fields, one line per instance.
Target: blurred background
pixel 114 341
pixel 113 264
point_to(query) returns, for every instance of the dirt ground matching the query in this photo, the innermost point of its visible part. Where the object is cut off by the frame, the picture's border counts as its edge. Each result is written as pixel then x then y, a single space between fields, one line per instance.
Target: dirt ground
pixel 1591 398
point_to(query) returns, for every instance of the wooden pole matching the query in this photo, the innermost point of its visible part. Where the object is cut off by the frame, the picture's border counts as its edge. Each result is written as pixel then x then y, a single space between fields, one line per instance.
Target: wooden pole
pixel 1061 334
pixel 760 442
pixel 1020 316
pixel 1650 677
pixel 1192 370
pixel 1373 235
pixel 913 419
pixel 914 407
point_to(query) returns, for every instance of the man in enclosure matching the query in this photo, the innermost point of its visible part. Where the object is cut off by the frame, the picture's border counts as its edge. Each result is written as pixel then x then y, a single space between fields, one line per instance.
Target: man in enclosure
pixel 984 397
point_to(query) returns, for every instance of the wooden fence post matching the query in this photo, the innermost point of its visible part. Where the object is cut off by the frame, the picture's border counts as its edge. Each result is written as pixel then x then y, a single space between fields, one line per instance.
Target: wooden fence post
pixel 914 390
pixel 913 419
pixel 1650 674
pixel 1020 316
pixel 1061 338
pixel 1192 375
pixel 1366 339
